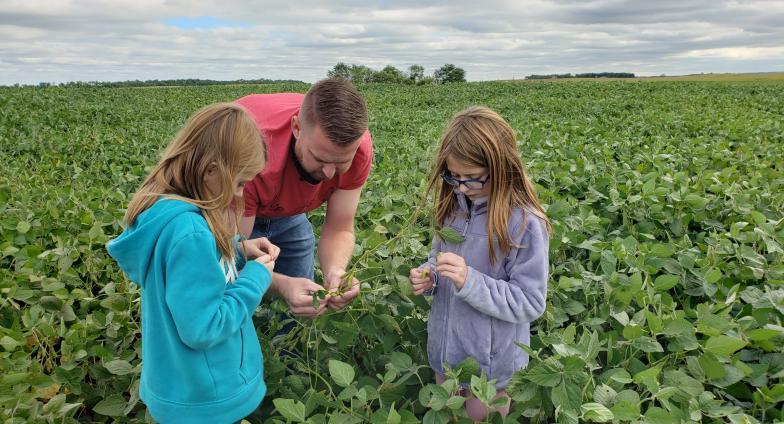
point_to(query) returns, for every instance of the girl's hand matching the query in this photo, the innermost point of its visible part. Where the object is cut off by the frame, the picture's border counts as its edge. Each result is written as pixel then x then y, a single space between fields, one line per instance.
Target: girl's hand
pixel 254 248
pixel 453 267
pixel 267 261
pixel 421 279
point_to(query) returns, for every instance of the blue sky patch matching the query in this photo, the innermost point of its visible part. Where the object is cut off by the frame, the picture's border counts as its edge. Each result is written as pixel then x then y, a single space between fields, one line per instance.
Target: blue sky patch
pixel 203 22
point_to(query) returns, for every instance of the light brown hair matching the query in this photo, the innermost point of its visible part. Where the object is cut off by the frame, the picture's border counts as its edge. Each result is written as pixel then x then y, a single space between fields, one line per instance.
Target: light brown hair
pixel 480 137
pixel 223 135
pixel 337 107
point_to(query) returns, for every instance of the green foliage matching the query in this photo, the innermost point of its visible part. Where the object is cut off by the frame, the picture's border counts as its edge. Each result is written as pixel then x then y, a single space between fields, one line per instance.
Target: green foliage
pixel 449 73
pixel 665 301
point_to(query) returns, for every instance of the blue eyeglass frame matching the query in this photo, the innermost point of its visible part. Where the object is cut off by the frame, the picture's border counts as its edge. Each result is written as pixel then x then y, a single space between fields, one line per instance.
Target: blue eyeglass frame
pixel 456 182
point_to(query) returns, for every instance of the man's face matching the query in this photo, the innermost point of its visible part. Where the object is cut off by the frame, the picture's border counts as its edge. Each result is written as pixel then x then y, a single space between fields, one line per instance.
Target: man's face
pixel 318 155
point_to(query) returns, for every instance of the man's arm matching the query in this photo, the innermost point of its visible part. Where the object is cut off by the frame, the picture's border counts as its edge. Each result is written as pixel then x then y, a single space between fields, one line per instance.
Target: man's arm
pixel 336 244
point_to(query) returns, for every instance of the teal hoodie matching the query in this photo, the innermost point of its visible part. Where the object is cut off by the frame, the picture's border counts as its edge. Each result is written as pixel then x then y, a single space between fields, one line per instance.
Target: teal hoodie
pixel 201 359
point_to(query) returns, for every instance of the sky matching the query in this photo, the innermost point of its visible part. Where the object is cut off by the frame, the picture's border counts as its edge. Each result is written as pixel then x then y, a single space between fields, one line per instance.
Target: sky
pixel 101 40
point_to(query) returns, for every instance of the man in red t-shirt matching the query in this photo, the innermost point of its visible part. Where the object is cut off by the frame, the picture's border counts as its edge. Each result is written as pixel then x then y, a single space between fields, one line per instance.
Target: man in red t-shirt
pixel 319 150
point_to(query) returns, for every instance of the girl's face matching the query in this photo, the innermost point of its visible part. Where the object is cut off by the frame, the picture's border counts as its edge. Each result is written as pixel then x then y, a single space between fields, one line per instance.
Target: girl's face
pixel 240 187
pixel 213 182
pixel 460 172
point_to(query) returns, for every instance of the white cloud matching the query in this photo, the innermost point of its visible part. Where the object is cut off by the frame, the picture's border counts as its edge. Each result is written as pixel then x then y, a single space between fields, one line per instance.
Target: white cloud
pixel 130 39
pixel 738 53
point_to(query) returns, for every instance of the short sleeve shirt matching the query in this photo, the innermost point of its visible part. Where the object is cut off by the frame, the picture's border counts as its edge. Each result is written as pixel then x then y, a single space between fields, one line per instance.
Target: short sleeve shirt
pixel 280 190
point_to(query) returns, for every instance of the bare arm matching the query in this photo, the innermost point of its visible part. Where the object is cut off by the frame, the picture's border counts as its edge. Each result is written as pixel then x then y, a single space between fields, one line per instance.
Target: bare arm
pixel 336 244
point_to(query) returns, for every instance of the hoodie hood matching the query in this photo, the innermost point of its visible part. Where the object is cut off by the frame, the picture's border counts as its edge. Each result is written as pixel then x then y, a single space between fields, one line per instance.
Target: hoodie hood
pixel 134 248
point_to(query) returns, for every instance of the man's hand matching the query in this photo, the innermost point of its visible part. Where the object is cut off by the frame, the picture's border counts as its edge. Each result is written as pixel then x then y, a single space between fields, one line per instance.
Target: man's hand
pixel 453 267
pixel 421 279
pixel 258 247
pixel 298 294
pixel 333 281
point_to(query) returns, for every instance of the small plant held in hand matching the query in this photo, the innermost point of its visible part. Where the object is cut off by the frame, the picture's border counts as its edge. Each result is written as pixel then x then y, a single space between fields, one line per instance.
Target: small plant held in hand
pixel 342 288
pixel 449 235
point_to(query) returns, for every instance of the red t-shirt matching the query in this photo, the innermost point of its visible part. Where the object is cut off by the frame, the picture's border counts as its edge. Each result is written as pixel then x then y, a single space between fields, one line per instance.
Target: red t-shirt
pixel 280 190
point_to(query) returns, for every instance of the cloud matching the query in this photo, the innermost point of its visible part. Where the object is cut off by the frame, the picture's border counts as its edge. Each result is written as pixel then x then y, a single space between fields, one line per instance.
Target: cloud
pixel 106 40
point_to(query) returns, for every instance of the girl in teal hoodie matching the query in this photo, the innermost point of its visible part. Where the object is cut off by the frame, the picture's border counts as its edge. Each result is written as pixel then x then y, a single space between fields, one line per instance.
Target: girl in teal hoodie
pixel 201 358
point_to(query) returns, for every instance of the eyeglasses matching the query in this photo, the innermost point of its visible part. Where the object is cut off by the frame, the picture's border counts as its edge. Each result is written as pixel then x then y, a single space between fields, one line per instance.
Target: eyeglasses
pixel 471 183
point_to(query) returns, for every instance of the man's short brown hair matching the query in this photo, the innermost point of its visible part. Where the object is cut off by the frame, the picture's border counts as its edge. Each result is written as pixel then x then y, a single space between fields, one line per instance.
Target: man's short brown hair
pixel 338 108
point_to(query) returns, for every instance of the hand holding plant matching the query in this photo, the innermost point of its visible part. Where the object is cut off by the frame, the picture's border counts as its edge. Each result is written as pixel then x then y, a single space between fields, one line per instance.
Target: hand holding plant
pixel 421 279
pixel 453 267
pixel 257 247
pixel 266 261
pixel 341 289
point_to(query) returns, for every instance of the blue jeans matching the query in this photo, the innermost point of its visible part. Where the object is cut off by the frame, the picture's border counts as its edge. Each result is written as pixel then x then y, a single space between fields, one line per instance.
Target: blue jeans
pixel 294 236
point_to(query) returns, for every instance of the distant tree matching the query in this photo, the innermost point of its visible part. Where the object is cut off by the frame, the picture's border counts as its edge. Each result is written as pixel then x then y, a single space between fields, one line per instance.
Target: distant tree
pixel 389 74
pixel 449 73
pixel 416 73
pixel 341 70
pixel 361 74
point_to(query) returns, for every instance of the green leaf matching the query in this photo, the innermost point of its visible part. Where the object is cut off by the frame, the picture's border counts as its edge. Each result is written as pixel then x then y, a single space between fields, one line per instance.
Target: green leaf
pixel 604 394
pixel 51 303
pixel 566 395
pixel 647 344
pixel 648 377
pixel 762 334
pixel 393 417
pixel 544 374
pixel 112 406
pixel 596 412
pixel 22 227
pixel 292 410
pixel 439 397
pixel 449 235
pixel 713 275
pixel 455 402
pixel 341 372
pixel 627 406
pixel 467 368
pixel 656 415
pixel 436 417
pixel 666 282
pixel 724 345
pixel 400 361
pixel 712 368
pixel 119 367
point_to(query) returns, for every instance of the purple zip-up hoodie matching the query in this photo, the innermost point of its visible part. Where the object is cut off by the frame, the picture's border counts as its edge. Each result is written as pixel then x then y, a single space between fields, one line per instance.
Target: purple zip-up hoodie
pixel 498 302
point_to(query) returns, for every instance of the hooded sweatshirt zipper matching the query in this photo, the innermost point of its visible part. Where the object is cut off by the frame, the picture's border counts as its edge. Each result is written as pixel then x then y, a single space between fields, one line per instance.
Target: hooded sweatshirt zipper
pixel 465 207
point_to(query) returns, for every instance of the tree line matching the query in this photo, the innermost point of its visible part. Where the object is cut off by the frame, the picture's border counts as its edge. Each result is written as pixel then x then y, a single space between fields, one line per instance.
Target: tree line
pixel 156 83
pixel 361 74
pixel 585 75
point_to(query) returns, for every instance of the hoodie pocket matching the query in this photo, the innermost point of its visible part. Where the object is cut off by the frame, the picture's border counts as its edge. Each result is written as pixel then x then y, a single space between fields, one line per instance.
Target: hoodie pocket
pixel 250 360
pixel 242 355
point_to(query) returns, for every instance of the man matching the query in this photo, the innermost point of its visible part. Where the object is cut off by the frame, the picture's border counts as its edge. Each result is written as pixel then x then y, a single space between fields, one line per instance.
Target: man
pixel 319 151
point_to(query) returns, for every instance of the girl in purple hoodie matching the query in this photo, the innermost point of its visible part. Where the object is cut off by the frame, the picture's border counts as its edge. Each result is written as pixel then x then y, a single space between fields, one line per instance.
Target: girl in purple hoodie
pixel 489 287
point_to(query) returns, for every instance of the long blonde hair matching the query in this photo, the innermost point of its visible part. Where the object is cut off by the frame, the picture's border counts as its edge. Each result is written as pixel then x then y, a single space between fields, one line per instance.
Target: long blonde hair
pixel 480 137
pixel 223 135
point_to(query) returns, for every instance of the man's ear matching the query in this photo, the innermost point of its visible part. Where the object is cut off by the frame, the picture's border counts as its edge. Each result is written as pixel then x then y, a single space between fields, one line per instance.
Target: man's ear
pixel 296 129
